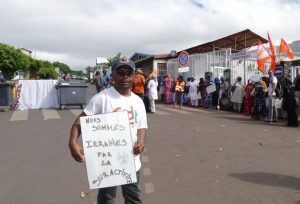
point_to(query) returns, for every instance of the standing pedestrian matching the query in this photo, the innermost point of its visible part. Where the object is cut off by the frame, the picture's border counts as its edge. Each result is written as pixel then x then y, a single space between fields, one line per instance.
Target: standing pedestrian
pixel 238 94
pixel 117 98
pixel 193 92
pixel 289 102
pixel 179 90
pixel 152 94
pixel 202 90
pixel 106 78
pixel 168 89
pixel 208 96
pixel 248 98
pixel 99 82
pixel 271 109
pixel 139 83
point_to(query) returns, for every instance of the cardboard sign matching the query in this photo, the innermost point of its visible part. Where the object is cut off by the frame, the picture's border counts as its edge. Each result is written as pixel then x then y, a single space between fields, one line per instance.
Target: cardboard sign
pixel 211 88
pixel 108 149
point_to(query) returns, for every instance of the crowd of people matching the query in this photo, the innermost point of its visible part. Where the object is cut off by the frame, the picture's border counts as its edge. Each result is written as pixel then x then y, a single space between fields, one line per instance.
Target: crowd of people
pixel 261 98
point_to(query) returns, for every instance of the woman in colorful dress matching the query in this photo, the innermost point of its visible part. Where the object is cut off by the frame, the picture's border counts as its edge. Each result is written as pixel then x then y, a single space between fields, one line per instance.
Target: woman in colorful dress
pixel 248 98
pixel 168 90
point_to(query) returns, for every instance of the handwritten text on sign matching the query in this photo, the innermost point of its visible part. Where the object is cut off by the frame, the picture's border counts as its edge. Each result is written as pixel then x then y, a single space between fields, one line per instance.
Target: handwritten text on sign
pixel 107 145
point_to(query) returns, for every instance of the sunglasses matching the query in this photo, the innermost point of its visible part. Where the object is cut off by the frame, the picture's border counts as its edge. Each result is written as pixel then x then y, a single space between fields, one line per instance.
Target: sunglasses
pixel 123 73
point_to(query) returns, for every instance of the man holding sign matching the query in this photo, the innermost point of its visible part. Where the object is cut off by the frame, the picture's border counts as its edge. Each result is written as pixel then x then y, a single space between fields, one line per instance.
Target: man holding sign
pixel 114 99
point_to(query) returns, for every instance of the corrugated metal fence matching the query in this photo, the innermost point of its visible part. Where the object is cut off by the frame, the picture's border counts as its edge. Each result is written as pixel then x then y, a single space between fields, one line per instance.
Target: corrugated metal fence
pixel 216 62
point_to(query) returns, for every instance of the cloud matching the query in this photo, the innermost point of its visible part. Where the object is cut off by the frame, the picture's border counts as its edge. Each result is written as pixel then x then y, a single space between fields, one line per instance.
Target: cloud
pixel 76 32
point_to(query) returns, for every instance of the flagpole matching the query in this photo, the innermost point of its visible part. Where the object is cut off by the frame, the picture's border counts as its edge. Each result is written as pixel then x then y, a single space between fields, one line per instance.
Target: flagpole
pixel 279 51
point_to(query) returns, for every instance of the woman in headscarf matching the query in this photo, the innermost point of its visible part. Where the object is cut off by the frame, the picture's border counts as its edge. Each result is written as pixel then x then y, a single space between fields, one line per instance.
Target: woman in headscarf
pixel 216 95
pixel 202 90
pixel 289 102
pixel 208 96
pixel 259 102
pixel 248 98
pixel 168 89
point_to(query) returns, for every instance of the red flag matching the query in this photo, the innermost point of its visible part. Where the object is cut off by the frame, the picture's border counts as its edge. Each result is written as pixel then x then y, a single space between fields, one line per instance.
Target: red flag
pixel 284 48
pixel 273 54
pixel 262 56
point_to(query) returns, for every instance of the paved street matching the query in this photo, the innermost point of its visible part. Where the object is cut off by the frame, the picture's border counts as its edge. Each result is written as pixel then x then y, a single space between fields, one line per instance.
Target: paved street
pixel 192 156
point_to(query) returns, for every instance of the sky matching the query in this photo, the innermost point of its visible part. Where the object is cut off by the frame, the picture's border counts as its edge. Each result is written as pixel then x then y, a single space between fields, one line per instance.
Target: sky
pixel 76 32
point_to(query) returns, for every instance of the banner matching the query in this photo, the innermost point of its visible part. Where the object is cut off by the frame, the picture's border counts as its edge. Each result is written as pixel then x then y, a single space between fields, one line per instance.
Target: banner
pixel 108 149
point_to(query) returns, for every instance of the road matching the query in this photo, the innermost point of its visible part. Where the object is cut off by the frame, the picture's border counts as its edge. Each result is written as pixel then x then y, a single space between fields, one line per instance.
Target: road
pixel 192 156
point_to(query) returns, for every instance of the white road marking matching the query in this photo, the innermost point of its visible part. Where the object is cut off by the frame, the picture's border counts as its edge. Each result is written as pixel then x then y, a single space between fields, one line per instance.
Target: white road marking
pixel 49 114
pixel 145 159
pixel 147 171
pixel 76 112
pixel 196 110
pixel 160 112
pixel 19 115
pixel 149 188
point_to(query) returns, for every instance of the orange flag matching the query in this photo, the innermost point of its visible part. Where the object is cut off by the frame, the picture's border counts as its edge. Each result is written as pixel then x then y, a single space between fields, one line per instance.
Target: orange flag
pixel 262 56
pixel 153 73
pixel 273 54
pixel 284 48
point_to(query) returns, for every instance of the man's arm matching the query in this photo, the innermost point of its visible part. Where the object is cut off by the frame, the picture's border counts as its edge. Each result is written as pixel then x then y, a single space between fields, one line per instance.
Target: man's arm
pixel 76 150
pixel 139 146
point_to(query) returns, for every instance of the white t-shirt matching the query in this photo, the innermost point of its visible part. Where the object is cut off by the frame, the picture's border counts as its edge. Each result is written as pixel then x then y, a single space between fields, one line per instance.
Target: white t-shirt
pixel 273 80
pixel 110 100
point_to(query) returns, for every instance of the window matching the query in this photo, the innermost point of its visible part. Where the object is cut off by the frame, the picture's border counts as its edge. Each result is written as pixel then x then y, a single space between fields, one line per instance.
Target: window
pixel 162 69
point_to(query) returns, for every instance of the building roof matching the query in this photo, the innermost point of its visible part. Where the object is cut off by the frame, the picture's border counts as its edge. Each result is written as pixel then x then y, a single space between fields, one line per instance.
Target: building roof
pixel 151 58
pixel 237 42
pixel 138 56
pixel 26 50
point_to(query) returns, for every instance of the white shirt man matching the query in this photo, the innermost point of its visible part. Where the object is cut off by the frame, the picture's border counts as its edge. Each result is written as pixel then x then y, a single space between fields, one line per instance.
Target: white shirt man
pixel 271 109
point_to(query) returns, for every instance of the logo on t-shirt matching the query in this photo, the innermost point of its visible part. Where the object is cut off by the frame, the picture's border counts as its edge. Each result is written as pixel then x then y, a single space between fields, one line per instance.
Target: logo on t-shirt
pixel 132 114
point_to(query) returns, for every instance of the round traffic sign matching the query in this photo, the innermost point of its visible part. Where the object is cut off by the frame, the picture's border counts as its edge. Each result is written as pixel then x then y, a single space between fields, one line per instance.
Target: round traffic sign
pixel 183 59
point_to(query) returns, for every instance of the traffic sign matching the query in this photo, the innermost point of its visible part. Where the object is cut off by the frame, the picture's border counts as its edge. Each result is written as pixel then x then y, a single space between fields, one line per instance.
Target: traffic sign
pixel 278 71
pixel 183 59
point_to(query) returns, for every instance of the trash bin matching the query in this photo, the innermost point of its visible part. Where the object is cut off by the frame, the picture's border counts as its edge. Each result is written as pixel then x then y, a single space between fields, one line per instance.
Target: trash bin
pixel 5 94
pixel 71 94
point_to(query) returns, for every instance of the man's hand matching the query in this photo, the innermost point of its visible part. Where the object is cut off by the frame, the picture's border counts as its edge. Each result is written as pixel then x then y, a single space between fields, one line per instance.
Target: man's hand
pixel 76 152
pixel 75 149
pixel 138 147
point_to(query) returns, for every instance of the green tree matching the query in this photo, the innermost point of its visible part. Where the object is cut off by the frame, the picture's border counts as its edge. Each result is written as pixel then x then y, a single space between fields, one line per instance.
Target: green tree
pixel 47 71
pixel 63 68
pixel 112 60
pixel 12 60
pixel 89 69
pixel 34 67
